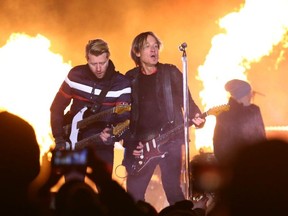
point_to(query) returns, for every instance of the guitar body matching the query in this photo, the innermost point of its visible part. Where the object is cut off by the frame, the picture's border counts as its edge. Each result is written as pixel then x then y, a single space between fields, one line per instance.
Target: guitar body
pixel 150 152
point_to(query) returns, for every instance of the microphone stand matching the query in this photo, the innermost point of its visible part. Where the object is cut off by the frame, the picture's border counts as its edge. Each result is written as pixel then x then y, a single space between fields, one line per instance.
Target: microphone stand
pixel 188 191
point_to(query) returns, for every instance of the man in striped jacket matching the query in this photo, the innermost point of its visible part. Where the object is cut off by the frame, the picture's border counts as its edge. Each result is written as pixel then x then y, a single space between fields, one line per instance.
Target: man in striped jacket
pixel 82 88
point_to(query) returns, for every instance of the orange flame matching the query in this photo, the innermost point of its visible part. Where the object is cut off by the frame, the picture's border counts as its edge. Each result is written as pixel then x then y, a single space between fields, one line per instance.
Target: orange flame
pixel 249 34
pixel 30 77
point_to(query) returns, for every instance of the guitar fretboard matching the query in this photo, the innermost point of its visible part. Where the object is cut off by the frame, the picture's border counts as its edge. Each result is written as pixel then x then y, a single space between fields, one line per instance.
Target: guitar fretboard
pixel 161 139
pixel 164 137
pixel 91 119
pixel 87 141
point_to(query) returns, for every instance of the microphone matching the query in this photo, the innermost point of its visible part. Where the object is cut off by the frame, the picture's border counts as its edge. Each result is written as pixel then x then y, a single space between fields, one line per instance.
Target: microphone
pixel 256 92
pixel 182 46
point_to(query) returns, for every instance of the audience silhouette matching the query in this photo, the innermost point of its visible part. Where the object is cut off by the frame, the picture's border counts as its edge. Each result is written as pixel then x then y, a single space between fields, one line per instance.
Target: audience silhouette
pixel 76 198
pixel 184 208
pixel 19 164
pixel 257 181
pixel 110 197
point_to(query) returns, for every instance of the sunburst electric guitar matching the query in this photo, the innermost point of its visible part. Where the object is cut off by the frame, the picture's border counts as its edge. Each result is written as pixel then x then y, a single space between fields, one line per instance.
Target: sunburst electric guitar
pixel 117 131
pixel 151 149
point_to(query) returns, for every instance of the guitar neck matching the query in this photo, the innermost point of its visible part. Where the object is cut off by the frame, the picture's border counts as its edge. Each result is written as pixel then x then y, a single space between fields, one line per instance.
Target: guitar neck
pixel 117 131
pixel 164 137
pixel 87 141
pixel 93 118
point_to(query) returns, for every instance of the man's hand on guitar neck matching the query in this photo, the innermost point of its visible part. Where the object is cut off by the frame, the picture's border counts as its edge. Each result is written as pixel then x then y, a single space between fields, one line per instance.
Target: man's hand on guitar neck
pixel 106 136
pixel 198 121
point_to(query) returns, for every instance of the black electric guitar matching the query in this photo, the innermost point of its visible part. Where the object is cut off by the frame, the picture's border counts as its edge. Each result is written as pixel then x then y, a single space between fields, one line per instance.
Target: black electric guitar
pixel 79 122
pixel 117 131
pixel 151 149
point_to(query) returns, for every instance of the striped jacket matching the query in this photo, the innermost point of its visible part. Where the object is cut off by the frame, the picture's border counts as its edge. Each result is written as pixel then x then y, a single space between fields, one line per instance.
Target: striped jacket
pixel 81 88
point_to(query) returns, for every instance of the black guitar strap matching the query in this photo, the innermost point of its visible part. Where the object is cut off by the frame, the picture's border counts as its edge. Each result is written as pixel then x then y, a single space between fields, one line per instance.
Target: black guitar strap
pixel 98 103
pixel 168 95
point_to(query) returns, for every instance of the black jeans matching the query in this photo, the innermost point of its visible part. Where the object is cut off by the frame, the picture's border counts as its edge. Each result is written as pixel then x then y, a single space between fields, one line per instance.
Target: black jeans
pixel 170 167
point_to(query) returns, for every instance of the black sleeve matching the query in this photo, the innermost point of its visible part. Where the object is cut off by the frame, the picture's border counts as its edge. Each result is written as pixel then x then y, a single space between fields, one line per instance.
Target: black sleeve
pixel 57 118
pixel 177 85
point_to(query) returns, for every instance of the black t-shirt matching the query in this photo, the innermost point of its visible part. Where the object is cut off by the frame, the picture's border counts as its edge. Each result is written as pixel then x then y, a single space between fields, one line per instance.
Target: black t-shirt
pixel 150 117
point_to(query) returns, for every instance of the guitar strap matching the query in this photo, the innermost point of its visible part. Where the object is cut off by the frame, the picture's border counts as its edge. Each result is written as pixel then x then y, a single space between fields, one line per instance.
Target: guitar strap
pixel 98 103
pixel 168 95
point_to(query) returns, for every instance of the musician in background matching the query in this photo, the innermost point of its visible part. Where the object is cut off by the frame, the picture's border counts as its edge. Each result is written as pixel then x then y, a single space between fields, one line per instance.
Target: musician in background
pixel 157 103
pixel 241 125
pixel 93 87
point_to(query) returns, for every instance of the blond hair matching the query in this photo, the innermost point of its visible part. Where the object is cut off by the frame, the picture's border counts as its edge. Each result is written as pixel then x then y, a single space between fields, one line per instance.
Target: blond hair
pixel 97 47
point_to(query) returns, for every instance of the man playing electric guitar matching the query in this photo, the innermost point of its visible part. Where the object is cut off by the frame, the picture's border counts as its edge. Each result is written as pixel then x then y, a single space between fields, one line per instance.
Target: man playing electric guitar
pixel 91 88
pixel 157 99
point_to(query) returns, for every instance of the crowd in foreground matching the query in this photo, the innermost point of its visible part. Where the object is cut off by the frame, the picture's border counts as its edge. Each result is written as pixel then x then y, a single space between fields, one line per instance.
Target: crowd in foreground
pixel 254 184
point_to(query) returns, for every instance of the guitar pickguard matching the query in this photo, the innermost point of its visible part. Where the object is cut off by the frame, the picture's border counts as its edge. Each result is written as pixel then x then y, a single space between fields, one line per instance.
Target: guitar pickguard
pixel 73 137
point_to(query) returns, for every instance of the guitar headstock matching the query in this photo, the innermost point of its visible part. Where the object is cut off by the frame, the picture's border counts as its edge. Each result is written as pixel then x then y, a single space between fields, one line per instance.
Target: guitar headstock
pixel 122 108
pixel 218 109
pixel 120 128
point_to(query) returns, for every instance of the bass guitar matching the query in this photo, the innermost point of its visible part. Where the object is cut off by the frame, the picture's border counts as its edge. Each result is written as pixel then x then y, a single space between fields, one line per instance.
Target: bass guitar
pixel 151 148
